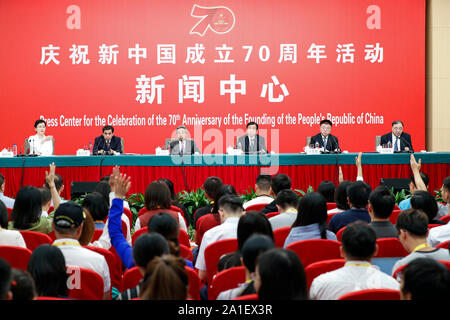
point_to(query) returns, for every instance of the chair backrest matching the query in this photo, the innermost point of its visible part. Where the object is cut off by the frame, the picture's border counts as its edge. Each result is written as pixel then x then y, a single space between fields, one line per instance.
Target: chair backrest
pixel 377 141
pixel 310 251
pixel 225 280
pixel 308 141
pixel 122 144
pixel 394 215
pixel 396 207
pixel 445 218
pixel 183 237
pixel 372 294
pixel 446 264
pixel 186 253
pixel 214 251
pixel 194 283
pixel 142 211
pixel 26 147
pixel 17 257
pixel 443 245
pixel 114 266
pixel 339 233
pixel 271 214
pixel 280 236
pixel 49 298
pixel 432 225
pixel 317 268
pixel 253 296
pixel 9 213
pixel 331 205
pixel 390 247
pixel 130 278
pixel 129 214
pixel 34 239
pixel 256 207
pixel 86 285
pixel 330 215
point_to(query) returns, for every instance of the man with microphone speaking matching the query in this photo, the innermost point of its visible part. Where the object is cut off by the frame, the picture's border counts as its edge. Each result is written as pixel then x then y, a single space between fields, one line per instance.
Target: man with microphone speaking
pixel 182 145
pixel 401 141
pixel 325 139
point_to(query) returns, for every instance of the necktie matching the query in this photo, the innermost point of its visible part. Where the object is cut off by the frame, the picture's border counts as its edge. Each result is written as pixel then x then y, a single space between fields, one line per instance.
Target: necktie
pixel 182 147
pixel 396 144
pixel 107 145
pixel 325 143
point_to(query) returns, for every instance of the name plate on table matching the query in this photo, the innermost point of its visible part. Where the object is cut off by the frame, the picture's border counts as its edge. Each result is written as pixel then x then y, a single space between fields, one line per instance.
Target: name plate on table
pixel 6 153
pixel 309 150
pixel 161 152
pixel 234 152
pixel 382 150
pixel 83 153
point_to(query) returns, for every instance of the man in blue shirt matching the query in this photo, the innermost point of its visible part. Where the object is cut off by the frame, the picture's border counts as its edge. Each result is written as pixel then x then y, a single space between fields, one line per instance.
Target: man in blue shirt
pixel 357 196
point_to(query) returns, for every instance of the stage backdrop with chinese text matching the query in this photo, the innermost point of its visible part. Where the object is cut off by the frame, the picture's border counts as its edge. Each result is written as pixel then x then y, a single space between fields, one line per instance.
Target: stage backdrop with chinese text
pixel 148 66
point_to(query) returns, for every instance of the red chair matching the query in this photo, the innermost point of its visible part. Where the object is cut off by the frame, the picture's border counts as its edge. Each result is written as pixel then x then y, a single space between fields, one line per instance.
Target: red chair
pixel 183 237
pixel 142 211
pixel 186 253
pixel 256 207
pixel 445 263
pixel 129 215
pixel 51 209
pixel 214 251
pixel 398 272
pixel 331 205
pixel 446 218
pixel 194 284
pixel 317 268
pixel 394 215
pixel 52 235
pixel 225 280
pixel 252 296
pixel 131 278
pixel 9 213
pixel 86 284
pixel 17 257
pixel 280 236
pixel 443 245
pixel 35 239
pixel 390 247
pixel 339 233
pixel 396 207
pixel 432 225
pixel 49 298
pixel 115 268
pixel 310 251
pixel 97 234
pixel 272 214
pixel 372 294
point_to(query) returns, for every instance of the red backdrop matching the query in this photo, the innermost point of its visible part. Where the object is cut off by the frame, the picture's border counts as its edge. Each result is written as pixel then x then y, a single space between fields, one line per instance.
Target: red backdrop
pixel 392 89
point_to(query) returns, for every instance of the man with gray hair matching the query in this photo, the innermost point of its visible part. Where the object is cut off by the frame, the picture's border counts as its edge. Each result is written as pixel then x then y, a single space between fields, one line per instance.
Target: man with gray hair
pixel 401 141
pixel 181 145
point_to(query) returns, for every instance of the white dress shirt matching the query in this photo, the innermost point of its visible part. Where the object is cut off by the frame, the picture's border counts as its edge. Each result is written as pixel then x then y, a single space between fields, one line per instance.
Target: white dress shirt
pixel 284 219
pixel 353 276
pixel 258 200
pixel 9 202
pixel 226 230
pixel 76 255
pixel 11 238
pixel 39 147
pixel 394 138
pixel 438 235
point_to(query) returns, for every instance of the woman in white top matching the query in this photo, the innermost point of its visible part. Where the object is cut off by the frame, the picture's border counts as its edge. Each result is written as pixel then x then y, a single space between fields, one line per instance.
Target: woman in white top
pixel 8 237
pixel 41 144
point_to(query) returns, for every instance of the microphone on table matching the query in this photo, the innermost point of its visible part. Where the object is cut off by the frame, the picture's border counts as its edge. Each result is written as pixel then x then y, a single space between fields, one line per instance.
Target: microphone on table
pixel 408 145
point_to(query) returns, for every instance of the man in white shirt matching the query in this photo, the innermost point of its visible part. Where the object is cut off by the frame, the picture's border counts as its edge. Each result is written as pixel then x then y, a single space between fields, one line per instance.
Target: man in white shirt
pixel 263 190
pixel 230 210
pixel 9 202
pixel 287 201
pixel 68 225
pixel 359 245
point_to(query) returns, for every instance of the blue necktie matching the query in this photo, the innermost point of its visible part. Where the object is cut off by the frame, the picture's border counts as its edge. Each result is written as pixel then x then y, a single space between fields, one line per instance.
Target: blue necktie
pixel 396 144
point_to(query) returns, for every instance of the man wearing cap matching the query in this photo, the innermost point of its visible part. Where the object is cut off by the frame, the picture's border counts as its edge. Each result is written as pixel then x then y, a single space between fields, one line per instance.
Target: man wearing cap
pixel 68 223
pixel 325 139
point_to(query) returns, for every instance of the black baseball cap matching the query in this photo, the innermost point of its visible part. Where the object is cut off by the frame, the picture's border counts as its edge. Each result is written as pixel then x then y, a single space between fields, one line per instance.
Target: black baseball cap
pixel 69 215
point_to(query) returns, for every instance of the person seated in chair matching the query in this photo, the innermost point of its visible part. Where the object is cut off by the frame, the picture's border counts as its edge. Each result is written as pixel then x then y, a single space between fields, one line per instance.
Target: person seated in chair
pixel 325 139
pixel 182 145
pixel 252 142
pixel 107 143
pixel 400 141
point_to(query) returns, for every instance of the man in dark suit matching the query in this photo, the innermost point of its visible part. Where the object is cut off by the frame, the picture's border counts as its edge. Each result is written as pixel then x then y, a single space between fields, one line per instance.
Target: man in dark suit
pixel 107 143
pixel 400 141
pixel 252 142
pixel 182 145
pixel 325 139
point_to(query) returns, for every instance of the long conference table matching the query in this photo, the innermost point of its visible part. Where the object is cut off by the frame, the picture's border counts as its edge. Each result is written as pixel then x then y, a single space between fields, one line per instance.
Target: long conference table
pixel 189 172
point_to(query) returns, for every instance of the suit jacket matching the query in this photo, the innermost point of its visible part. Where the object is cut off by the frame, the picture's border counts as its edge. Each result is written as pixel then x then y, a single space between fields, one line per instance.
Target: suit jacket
pixel 100 144
pixel 243 143
pixel 405 140
pixel 332 142
pixel 190 147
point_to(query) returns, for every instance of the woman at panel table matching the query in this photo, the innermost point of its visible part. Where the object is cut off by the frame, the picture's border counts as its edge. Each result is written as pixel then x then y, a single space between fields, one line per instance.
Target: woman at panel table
pixel 41 144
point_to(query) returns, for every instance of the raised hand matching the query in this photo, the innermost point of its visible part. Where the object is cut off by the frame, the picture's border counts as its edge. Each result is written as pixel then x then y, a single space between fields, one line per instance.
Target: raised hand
pixel 122 185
